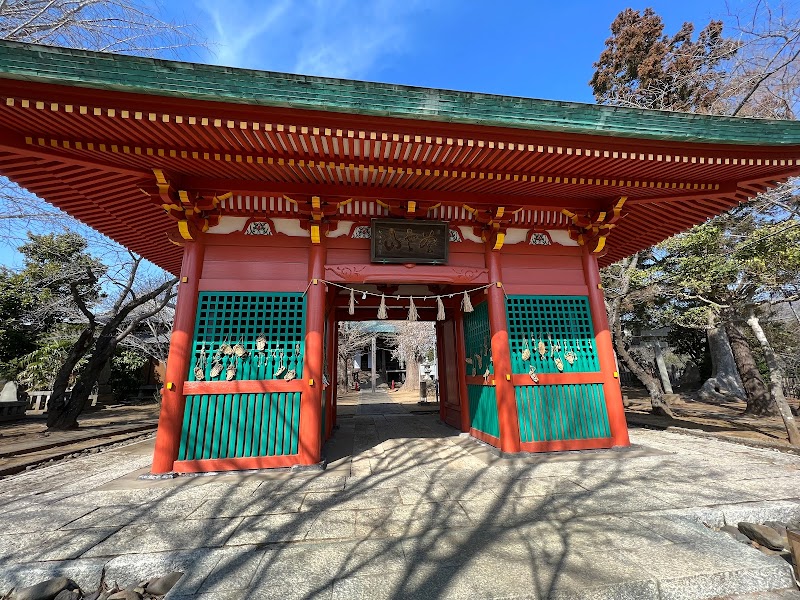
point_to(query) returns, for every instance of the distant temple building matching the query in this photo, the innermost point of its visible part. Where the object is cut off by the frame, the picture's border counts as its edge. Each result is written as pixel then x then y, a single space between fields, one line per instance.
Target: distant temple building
pixel 287 204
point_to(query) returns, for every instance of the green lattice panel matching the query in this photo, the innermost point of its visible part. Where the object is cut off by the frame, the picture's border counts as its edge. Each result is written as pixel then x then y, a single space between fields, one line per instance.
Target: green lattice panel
pixel 482 398
pixel 562 412
pixel 477 341
pixel 483 409
pixel 236 317
pixel 240 425
pixel 564 321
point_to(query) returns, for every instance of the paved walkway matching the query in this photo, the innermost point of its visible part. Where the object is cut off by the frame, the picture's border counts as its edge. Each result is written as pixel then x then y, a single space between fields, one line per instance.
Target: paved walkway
pixel 410 509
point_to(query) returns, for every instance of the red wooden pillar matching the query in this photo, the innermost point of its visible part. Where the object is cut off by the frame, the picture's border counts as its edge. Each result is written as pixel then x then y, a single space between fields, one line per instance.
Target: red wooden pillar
pixel 335 369
pixel 441 362
pixel 330 344
pixel 605 352
pixel 173 402
pixel 501 357
pixel 461 366
pixel 311 399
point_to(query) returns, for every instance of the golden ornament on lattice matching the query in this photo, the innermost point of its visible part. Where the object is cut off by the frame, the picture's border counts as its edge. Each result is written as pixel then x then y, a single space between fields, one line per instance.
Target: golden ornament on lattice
pixel 216 368
pixel 230 372
pixel 261 342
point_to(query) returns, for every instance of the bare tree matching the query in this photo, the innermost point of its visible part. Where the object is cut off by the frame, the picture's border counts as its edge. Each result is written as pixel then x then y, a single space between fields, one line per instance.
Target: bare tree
pixel 125 26
pixel 618 280
pixel 151 338
pixel 103 331
pixel 354 336
pixel 413 342
pixel 754 72
pixel 764 79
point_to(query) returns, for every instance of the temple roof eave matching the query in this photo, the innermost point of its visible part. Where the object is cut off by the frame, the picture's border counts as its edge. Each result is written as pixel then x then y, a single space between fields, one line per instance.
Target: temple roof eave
pixel 192 81
pixel 96 146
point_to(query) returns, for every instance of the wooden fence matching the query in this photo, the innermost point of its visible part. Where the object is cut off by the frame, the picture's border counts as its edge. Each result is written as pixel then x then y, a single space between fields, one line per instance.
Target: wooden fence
pixel 40 398
pixel 791 385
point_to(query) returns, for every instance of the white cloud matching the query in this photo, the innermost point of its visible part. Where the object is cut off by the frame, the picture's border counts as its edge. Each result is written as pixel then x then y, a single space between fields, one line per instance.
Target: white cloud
pixel 237 24
pixel 335 38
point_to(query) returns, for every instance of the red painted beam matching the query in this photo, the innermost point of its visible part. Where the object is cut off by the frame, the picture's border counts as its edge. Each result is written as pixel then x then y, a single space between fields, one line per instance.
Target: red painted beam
pixel 245 386
pixel 461 366
pixel 236 464
pixel 311 400
pixel 501 356
pixel 565 445
pixel 558 378
pixel 371 192
pixel 605 352
pixel 13 142
pixel 170 421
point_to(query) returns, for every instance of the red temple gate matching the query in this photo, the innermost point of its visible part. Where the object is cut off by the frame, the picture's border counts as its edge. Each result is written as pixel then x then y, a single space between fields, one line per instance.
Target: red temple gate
pixel 259 189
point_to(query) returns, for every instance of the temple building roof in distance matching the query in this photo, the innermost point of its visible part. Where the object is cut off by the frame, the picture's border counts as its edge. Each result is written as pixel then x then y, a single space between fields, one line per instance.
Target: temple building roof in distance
pixel 86 130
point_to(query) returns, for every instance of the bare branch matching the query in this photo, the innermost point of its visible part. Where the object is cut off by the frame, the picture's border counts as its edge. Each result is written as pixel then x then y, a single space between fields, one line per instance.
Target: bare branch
pixel 78 299
pixel 126 26
pixel 137 260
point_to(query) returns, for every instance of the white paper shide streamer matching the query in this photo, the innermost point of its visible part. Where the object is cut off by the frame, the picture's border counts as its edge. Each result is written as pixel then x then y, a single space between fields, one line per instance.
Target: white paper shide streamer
pixel 466 303
pixel 412 310
pixel 382 313
pixel 413 314
pixel 440 306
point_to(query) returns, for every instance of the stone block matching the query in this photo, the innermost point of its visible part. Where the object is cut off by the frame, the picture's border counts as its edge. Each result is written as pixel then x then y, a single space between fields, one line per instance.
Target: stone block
pixel 267 529
pixel 333 524
pixel 248 506
pixel 120 516
pixel 85 572
pixel 714 585
pixel 675 528
pixel 410 520
pixel 234 569
pixel 759 512
pixel 54 545
pixel 195 564
pixel 158 537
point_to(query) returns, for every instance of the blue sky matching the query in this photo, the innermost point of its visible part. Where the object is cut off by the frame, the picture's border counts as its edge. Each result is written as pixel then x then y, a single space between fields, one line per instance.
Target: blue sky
pixel 515 47
pixel 526 48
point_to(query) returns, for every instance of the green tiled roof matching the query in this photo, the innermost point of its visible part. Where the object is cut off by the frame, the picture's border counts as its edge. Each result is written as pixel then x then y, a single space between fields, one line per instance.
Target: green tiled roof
pixel 242 86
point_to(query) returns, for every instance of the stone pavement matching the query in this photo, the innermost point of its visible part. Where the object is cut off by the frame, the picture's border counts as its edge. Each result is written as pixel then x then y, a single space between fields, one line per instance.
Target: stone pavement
pixel 410 509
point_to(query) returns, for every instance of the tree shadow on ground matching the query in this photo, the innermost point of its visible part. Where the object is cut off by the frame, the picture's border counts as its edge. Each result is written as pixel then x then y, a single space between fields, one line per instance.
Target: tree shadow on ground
pixel 417 512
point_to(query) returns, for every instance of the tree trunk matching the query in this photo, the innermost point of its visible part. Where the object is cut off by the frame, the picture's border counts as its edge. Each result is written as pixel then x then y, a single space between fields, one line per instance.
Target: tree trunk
pixel 652 384
pixel 759 401
pixel 662 368
pixel 342 374
pixel 67 418
pixel 724 382
pixel 412 375
pixel 775 380
pixel 58 401
pixel 374 359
